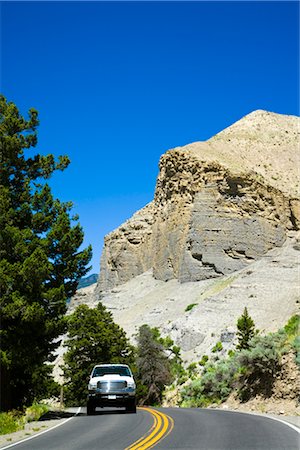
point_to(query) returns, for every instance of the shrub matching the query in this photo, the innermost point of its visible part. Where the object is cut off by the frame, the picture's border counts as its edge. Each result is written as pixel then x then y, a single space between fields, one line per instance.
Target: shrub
pixel 218 347
pixel 296 347
pixel 214 385
pixel 191 306
pixel 35 411
pixel 10 422
pixel 14 420
pixel 203 360
pixel 260 364
pixel 293 325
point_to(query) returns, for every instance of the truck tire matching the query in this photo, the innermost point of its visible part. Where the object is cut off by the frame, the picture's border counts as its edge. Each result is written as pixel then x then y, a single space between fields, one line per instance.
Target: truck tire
pixel 131 406
pixel 90 408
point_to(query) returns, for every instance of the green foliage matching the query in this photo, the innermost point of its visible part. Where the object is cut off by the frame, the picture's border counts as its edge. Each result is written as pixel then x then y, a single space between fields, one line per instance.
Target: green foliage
pixel 292 330
pixel 15 420
pixel 192 369
pixel 93 338
pixel 10 422
pixel 213 386
pixel 296 347
pixel 173 353
pixel 260 364
pixel 245 326
pixel 191 306
pixel 154 369
pixel 293 326
pixel 250 371
pixel 40 264
pixel 218 347
pixel 35 411
pixel 203 360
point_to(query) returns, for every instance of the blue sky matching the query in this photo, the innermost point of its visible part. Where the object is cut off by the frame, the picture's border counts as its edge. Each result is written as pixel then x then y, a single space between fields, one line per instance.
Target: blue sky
pixel 116 84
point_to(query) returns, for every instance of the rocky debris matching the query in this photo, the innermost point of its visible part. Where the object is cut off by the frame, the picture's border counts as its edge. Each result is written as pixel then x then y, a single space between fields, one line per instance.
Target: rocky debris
pixel 219 205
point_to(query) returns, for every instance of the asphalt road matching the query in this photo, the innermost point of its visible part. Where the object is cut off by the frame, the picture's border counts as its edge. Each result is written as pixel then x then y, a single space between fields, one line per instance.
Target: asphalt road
pixel 167 428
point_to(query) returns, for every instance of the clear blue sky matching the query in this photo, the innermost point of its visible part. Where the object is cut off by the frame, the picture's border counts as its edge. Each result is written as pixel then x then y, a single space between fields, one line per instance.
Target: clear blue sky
pixel 118 83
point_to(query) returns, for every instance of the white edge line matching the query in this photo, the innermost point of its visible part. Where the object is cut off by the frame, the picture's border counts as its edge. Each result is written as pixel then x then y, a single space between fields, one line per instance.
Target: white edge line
pixel 42 432
pixel 294 427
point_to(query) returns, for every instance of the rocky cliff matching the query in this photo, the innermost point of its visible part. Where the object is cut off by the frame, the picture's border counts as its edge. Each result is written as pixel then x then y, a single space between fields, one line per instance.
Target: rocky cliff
pixel 219 206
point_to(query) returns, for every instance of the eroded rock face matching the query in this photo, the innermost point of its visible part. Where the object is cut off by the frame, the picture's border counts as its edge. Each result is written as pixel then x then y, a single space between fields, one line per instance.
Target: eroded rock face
pixel 206 220
pixel 128 250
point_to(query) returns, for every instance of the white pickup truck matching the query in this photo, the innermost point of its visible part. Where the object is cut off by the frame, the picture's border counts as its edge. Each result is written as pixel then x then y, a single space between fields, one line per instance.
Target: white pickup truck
pixel 111 385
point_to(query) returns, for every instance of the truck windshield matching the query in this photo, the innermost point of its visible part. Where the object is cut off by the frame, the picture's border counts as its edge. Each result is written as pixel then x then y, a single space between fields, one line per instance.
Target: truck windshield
pixel 111 370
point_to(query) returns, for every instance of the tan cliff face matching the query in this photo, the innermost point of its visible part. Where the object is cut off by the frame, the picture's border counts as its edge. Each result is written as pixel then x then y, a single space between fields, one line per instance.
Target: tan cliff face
pixel 219 205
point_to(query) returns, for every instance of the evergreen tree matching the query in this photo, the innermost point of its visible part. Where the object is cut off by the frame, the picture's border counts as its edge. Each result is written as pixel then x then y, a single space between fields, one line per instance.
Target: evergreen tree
pixel 246 330
pixel 93 338
pixel 40 264
pixel 153 366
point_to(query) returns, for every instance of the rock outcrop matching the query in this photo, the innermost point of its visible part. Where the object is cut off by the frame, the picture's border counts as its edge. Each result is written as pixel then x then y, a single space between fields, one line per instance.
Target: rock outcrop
pixel 219 205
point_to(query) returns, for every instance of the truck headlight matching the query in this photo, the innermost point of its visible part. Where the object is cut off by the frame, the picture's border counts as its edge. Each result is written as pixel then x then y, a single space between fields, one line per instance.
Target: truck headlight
pixel 92 386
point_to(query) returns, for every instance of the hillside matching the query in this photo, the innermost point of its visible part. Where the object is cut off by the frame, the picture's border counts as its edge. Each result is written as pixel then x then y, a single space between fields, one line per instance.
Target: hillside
pixel 87 281
pixel 220 234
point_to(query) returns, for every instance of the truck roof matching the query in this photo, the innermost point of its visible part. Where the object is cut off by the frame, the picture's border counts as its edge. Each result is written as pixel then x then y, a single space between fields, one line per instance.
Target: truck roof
pixel 111 365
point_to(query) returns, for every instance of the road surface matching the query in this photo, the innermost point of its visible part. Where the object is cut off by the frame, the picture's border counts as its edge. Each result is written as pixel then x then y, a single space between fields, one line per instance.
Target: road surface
pixel 166 428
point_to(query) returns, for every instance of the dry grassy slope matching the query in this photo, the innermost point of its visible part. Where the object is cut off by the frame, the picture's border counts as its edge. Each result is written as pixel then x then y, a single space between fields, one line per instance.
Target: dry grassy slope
pixel 263 142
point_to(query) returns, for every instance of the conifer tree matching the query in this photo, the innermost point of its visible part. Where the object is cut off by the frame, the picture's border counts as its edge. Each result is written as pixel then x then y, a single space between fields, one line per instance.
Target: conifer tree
pixel 153 365
pixel 246 330
pixel 93 338
pixel 40 264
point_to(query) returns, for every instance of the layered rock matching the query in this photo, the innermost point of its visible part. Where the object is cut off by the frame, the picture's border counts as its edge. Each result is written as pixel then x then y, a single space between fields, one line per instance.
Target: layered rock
pixel 219 205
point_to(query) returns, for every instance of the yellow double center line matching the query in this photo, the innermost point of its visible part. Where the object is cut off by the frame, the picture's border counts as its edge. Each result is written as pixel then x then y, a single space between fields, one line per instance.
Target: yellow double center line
pixel 162 426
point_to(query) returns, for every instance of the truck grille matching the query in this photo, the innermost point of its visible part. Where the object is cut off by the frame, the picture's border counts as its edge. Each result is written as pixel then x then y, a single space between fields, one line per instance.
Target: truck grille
pixel 111 386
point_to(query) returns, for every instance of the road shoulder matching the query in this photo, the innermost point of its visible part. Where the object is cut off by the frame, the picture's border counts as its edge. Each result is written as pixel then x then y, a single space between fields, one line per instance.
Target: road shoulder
pixel 48 421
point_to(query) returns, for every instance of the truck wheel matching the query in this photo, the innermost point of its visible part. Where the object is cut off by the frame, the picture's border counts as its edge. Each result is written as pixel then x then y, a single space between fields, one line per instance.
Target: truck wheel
pixel 131 406
pixel 90 408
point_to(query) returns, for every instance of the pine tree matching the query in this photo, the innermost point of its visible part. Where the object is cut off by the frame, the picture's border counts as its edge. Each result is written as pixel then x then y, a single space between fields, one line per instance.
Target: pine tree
pixel 93 338
pixel 153 366
pixel 246 330
pixel 40 264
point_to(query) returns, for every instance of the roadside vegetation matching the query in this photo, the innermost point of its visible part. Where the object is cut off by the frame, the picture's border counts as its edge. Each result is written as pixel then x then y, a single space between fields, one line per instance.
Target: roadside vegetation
pixel 248 371
pixel 158 363
pixel 16 420
pixel 92 337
